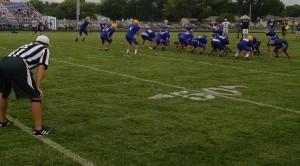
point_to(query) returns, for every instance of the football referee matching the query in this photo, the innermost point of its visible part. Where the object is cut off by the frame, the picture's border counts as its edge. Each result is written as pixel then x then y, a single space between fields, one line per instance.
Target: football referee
pixel 15 72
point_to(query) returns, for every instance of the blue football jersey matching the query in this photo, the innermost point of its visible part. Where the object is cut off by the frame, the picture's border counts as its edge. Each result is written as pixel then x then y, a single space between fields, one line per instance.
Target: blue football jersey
pixel 298 27
pixel 106 31
pixel 84 24
pixel 132 30
pixel 279 42
pixel 149 32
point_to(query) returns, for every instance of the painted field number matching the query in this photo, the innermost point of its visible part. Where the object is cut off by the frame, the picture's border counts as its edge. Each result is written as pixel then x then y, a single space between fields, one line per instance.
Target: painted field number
pixel 204 94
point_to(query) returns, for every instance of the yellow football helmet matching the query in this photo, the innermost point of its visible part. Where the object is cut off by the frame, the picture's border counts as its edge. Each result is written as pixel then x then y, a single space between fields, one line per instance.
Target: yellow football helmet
pixel 114 25
pixel 87 17
pixel 135 22
pixel 249 37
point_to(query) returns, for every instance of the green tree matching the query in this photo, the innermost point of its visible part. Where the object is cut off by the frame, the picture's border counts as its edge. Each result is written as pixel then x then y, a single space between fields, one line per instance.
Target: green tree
pixel 177 9
pixel 149 10
pixel 53 9
pixel 88 9
pixel 260 8
pixel 293 11
pixel 38 5
pixel 114 9
pixel 173 10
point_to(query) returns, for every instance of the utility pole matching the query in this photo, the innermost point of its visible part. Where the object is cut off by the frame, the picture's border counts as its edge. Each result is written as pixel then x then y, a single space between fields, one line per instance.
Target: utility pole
pixel 250 11
pixel 78 13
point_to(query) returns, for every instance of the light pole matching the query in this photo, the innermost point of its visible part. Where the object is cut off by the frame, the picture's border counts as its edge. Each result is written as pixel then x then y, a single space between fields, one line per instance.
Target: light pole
pixel 77 12
pixel 250 9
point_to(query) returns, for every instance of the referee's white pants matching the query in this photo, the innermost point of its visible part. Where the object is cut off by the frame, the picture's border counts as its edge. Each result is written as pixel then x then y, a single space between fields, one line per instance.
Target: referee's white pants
pixel 225 30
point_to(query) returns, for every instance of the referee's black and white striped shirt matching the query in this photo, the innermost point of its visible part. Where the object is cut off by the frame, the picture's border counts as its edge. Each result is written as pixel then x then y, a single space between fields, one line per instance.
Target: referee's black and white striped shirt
pixel 33 54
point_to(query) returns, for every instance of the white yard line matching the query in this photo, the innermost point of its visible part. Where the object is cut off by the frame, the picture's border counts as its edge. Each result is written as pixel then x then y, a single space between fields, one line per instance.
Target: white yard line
pixel 226 66
pixel 175 86
pixel 206 63
pixel 85 162
pixel 53 144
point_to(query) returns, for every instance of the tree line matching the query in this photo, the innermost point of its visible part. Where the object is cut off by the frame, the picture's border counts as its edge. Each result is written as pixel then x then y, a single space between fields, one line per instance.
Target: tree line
pixel 172 10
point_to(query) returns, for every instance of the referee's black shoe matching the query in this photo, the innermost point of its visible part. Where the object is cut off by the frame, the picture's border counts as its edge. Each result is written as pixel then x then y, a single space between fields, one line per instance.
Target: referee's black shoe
pixel 41 132
pixel 7 123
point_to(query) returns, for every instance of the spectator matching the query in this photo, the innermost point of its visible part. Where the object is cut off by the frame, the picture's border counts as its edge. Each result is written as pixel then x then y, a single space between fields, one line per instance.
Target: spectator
pixel 240 28
pixel 245 26
pixel 272 23
pixel 225 25
pixel 50 25
pixel 284 28
pixel 34 24
pixel 298 31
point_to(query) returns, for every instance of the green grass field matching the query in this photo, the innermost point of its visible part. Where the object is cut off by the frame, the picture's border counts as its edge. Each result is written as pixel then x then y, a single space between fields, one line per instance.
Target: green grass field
pixel 158 107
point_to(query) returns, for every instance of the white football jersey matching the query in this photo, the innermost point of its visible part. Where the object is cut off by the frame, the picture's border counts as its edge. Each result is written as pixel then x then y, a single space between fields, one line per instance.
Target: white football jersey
pixel 225 24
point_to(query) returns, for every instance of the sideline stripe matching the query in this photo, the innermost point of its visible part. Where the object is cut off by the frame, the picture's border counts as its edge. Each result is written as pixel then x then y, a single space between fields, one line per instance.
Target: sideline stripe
pixel 53 144
pixel 178 87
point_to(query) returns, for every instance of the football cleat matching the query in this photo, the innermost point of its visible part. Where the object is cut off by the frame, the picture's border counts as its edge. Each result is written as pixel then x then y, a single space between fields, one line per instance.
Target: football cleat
pixel 41 132
pixel 7 123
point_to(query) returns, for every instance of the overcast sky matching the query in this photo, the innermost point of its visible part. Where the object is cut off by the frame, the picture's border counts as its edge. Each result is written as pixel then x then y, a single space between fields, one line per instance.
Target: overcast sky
pixel 291 2
pixel 286 2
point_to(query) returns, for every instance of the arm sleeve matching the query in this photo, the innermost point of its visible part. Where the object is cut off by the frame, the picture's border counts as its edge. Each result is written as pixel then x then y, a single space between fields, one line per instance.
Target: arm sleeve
pixel 45 58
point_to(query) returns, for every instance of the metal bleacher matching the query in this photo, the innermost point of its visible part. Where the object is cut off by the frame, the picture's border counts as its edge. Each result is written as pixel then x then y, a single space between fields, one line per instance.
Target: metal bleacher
pixel 7 17
pixel 10 19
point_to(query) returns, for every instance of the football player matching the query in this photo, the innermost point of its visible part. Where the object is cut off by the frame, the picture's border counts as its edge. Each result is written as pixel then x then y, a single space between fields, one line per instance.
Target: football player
pixel 149 34
pixel 245 44
pixel 133 29
pixel 225 41
pixel 102 26
pixel 272 24
pixel 298 31
pixel 256 45
pixel 281 46
pixel 185 38
pixel 270 33
pixel 106 36
pixel 162 38
pixel 217 29
pixel 217 45
pixel 200 41
pixel 84 28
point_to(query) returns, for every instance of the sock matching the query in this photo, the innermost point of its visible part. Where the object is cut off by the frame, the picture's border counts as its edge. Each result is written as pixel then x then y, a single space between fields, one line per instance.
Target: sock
pixel 135 51
pixel 247 55
pixel 236 55
pixel 127 52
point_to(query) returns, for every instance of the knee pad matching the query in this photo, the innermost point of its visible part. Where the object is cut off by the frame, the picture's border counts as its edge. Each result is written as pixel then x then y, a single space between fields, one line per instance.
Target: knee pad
pixel 35 100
